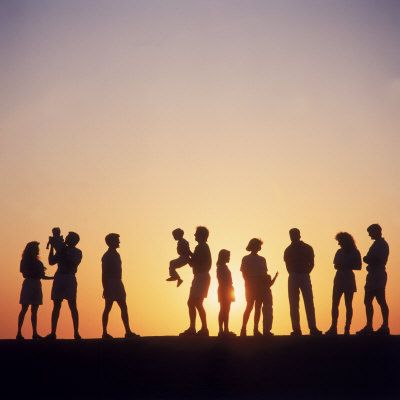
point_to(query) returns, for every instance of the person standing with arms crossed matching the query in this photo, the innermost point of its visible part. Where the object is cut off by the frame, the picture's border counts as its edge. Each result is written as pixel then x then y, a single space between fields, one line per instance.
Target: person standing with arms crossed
pixel 299 260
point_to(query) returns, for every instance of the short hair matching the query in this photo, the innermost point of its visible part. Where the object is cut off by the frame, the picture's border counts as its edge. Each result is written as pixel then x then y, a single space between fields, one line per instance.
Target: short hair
pixel 74 238
pixel 294 231
pixel 178 232
pixel 254 244
pixel 374 228
pixel 110 238
pixel 222 256
pixel 203 232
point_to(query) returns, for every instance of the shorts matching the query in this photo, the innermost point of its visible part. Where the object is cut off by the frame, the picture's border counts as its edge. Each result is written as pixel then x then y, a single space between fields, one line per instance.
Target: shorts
pixel 31 292
pixel 114 290
pixel 200 286
pixel 64 287
pixel 376 281
pixel 344 282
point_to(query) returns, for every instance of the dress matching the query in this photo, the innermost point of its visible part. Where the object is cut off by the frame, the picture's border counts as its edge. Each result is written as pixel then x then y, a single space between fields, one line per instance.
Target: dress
pixel 345 262
pixel 226 292
pixel 31 292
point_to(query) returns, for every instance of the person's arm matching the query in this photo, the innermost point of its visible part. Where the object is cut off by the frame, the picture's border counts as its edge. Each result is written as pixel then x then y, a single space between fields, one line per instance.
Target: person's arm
pixel 311 259
pixel 52 256
pixel 357 261
pixel 274 278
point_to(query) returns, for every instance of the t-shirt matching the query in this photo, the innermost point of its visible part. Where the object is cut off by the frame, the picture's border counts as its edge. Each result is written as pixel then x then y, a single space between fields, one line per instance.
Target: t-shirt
pixel 33 269
pixel 377 255
pixel 183 248
pixel 253 265
pixel 201 259
pixel 67 259
pixel 111 265
pixel 299 257
pixel 347 260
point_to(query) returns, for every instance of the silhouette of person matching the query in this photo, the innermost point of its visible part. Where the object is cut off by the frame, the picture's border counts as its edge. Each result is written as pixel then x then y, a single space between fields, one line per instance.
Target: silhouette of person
pixel 201 264
pixel 113 288
pixel 257 289
pixel 347 259
pixel 226 293
pixel 33 271
pixel 299 260
pixel 67 257
pixel 375 284
pixel 184 253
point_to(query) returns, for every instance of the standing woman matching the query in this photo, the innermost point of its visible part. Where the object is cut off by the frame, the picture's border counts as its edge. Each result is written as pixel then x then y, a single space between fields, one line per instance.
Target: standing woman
pixel 226 292
pixel 254 270
pixel 347 259
pixel 32 270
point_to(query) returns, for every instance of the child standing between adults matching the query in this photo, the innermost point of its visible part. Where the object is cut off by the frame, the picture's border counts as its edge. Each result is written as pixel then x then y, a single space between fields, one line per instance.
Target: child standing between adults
pixel 183 250
pixel 226 293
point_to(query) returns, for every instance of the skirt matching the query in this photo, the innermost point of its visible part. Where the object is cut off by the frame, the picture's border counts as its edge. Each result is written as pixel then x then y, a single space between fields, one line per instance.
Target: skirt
pixel 226 294
pixel 344 282
pixel 31 292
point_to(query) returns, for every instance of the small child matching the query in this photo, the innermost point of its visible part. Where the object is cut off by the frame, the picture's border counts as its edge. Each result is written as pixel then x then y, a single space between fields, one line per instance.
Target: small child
pixel 226 293
pixel 57 240
pixel 267 308
pixel 184 252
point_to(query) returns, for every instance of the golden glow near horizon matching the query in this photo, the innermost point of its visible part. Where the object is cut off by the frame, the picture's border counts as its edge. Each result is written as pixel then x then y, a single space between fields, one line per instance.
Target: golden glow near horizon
pixel 142 117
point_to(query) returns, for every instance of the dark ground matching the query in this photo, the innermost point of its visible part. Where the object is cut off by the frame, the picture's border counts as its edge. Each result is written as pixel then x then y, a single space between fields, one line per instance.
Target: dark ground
pixel 175 368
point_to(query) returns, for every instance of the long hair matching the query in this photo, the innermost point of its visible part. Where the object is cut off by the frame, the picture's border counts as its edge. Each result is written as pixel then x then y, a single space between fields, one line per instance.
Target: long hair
pixel 346 240
pixel 31 252
pixel 223 257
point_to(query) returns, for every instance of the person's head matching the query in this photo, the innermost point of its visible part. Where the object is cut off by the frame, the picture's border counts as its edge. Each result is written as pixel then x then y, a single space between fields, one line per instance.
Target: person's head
pixel 112 240
pixel 31 251
pixel 201 234
pixel 254 245
pixel 374 231
pixel 345 240
pixel 294 234
pixel 177 233
pixel 223 257
pixel 56 231
pixel 72 239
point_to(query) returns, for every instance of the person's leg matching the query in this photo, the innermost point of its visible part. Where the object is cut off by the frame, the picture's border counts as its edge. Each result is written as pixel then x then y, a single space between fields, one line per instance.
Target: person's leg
pixel 369 309
pixel 75 316
pixel 226 316
pixel 174 265
pixel 381 299
pixel 124 315
pixel 348 299
pixel 202 313
pixel 257 314
pixel 221 317
pixel 107 308
pixel 267 310
pixel 192 313
pixel 21 317
pixel 336 296
pixel 246 314
pixel 294 296
pixel 54 316
pixel 34 310
pixel 306 291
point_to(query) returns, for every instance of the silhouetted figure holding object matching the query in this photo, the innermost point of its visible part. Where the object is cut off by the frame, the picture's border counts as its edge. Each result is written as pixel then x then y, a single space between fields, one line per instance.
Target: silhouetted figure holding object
pixel 67 257
pixel 347 259
pixel 299 260
pixel 226 293
pixel 257 289
pixel 57 240
pixel 201 264
pixel 375 285
pixel 184 253
pixel 113 288
pixel 33 271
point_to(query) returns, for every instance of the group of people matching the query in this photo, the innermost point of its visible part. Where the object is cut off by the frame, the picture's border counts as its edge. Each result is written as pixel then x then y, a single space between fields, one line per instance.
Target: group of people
pixel 298 257
pixel 299 260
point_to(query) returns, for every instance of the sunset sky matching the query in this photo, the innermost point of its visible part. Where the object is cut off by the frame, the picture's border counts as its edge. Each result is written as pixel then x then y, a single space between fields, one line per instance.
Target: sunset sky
pixel 248 117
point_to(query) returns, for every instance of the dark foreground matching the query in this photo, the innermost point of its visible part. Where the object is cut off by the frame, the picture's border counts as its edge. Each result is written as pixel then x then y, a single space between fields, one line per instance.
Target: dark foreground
pixel 175 368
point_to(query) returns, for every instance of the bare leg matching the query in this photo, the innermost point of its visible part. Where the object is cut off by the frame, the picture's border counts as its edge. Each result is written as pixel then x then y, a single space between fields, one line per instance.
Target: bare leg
pixel 202 314
pixel 21 317
pixel 34 310
pixel 192 314
pixel 106 312
pixel 124 315
pixel 381 299
pixel 348 299
pixel 226 316
pixel 257 314
pixel 221 317
pixel 369 310
pixel 74 315
pixel 246 314
pixel 335 307
pixel 54 315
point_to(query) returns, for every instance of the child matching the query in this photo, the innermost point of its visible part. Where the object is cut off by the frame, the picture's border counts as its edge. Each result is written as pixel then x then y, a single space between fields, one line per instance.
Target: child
pixel 226 293
pixel 57 240
pixel 184 252
pixel 33 271
pixel 267 309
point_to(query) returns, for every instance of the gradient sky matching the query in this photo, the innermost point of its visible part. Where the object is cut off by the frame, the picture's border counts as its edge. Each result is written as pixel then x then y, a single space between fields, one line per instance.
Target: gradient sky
pixel 249 117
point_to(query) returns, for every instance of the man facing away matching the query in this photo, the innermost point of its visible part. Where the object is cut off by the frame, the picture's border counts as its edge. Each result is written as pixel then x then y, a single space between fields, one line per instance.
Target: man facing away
pixel 113 288
pixel 201 265
pixel 375 284
pixel 67 257
pixel 299 259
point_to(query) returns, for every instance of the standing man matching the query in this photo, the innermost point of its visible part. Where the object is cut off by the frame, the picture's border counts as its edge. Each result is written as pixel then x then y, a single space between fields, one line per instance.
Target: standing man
pixel 67 257
pixel 375 284
pixel 113 288
pixel 299 259
pixel 201 265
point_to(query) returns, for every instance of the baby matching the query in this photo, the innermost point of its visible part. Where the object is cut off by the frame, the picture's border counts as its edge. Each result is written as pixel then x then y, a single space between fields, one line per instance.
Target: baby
pixel 57 240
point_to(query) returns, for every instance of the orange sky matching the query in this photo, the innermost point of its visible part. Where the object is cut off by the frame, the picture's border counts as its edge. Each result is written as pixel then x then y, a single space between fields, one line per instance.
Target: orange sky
pixel 141 117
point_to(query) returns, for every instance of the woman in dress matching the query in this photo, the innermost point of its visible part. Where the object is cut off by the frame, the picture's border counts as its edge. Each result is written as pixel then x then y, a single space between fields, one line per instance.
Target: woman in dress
pixel 347 259
pixel 32 270
pixel 226 292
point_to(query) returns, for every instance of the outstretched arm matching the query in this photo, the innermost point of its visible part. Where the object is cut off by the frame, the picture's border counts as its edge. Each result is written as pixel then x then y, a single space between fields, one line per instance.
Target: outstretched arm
pixel 274 278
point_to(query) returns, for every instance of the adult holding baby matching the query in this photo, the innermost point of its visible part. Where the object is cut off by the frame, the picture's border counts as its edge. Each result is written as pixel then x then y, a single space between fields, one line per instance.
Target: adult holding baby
pixel 67 257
